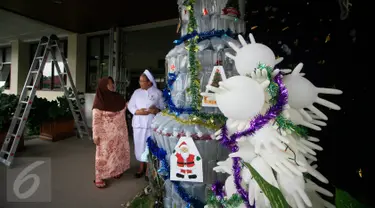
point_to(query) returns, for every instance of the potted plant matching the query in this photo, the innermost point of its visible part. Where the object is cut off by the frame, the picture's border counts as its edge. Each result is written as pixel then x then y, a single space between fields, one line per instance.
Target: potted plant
pixel 38 114
pixel 51 120
pixel 59 124
pixel 8 105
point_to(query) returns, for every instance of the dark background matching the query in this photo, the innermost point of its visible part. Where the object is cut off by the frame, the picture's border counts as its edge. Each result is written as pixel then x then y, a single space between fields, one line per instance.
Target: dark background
pixel 343 63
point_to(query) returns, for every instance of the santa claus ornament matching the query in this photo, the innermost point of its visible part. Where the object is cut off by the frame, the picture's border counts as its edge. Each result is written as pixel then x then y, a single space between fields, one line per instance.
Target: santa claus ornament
pixel 186 162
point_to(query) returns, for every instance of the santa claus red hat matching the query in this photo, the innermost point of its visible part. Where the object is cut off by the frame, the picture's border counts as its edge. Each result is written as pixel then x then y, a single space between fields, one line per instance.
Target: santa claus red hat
pixel 182 144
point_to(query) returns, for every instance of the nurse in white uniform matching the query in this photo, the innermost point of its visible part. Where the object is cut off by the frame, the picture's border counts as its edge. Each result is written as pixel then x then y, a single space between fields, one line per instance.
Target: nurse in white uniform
pixel 144 104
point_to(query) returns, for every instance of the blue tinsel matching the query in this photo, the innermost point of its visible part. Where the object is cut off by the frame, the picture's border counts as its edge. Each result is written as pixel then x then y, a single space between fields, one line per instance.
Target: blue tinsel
pixel 203 35
pixel 171 78
pixel 161 154
pixel 168 98
pixel 172 107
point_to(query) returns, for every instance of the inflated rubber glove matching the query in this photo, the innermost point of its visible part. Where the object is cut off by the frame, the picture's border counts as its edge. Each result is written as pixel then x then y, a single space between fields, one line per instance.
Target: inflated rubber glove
pixel 293 188
pixel 317 201
pixel 280 162
pixel 269 138
pixel 255 192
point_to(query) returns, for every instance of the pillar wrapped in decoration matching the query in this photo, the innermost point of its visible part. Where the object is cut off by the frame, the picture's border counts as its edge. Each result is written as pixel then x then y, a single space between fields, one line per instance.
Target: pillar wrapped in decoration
pixel 192 64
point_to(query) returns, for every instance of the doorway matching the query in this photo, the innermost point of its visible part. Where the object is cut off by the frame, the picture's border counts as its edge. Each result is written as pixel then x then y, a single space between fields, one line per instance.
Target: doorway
pixel 97 60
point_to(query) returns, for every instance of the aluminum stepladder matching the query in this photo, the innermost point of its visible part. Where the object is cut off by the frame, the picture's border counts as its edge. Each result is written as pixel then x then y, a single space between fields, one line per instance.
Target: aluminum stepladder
pixel 47 46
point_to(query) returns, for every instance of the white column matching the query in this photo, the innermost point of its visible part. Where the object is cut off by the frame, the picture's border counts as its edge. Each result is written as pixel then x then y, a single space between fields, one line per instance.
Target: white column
pixel 19 66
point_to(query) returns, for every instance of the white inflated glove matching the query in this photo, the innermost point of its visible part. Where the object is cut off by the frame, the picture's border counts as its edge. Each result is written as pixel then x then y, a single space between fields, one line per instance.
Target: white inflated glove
pixel 317 201
pixel 259 75
pixel 311 186
pixel 268 137
pixel 316 119
pixel 277 71
pixel 305 146
pixel 311 169
pixel 230 188
pixel 297 118
pixel 293 188
pixel 280 162
pixel 245 151
pixel 225 166
pixel 312 190
pixel 237 125
pixel 233 126
pixel 255 192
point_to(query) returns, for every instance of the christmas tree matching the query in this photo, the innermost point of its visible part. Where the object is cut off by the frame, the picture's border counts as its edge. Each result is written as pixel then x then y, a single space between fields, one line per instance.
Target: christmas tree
pixel 231 9
pixel 216 79
pixel 255 174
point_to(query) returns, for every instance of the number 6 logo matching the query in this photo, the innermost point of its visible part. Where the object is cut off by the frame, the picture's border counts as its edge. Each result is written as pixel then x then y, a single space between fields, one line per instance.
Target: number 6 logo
pixel 23 177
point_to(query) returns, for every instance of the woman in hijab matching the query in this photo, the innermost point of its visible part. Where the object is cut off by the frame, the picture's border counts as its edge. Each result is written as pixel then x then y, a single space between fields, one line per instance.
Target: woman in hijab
pixel 110 133
pixel 144 104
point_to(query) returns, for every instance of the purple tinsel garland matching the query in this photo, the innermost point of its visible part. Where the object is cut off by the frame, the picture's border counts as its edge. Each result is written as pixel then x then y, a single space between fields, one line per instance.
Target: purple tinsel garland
pixel 257 123
pixel 217 189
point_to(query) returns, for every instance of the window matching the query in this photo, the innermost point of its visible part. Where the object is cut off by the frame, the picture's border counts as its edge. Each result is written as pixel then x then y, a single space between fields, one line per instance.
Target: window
pixel 97 60
pixel 50 79
pixel 5 67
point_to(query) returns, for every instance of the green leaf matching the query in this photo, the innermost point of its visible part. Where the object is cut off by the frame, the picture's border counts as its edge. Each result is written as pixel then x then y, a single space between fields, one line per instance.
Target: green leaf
pixel 273 194
pixel 344 200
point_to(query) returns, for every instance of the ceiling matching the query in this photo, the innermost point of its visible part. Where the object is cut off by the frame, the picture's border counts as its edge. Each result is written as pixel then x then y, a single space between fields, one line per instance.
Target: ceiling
pixel 84 16
pixel 14 27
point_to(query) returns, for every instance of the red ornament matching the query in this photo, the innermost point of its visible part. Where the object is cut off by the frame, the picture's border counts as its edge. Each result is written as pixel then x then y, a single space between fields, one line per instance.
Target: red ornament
pixel 205 12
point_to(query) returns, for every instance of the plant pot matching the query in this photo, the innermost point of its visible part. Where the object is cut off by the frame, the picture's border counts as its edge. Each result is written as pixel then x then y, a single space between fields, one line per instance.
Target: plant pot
pixel 57 130
pixel 3 133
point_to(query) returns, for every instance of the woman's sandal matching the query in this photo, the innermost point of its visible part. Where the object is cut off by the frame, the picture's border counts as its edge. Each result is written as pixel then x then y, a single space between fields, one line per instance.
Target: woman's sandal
pixel 100 184
pixel 118 176
pixel 139 174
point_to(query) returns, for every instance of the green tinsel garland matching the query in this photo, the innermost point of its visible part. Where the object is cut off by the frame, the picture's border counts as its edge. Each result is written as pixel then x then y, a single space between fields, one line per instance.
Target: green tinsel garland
pixel 214 202
pixel 286 124
pixel 194 89
pixel 283 123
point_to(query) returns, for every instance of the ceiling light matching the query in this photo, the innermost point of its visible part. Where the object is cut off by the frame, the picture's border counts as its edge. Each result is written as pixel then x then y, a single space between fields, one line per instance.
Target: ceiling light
pixel 57 1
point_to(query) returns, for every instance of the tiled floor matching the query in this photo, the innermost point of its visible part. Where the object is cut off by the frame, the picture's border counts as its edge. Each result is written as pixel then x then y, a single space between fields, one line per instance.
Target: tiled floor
pixel 72 174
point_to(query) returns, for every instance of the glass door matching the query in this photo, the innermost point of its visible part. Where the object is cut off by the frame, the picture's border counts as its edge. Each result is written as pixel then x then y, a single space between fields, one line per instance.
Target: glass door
pixel 98 61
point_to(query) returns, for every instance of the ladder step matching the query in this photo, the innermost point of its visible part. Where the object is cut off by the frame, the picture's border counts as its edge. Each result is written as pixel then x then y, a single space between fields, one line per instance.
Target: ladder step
pixel 6 162
pixel 26 102
pixel 5 152
pixel 29 87
pixel 39 57
pixel 81 123
pixel 54 45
